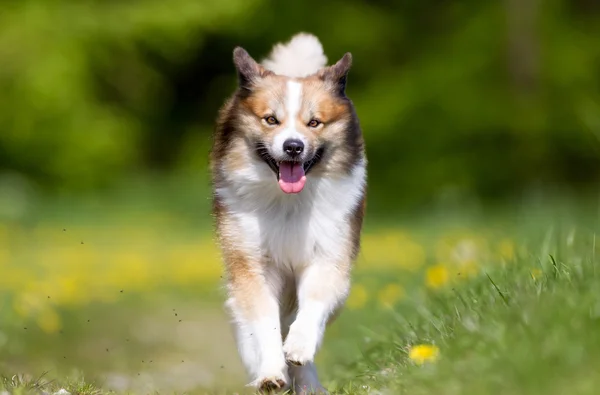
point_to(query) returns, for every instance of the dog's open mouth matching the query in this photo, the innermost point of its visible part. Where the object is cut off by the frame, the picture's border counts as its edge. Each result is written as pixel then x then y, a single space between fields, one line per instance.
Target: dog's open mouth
pixel 291 175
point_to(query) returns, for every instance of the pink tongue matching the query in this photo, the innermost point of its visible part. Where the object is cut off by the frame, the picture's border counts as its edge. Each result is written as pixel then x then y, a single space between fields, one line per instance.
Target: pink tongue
pixel 291 177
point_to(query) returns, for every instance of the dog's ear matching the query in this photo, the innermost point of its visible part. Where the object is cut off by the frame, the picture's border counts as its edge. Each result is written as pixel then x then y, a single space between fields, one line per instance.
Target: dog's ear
pixel 338 73
pixel 247 69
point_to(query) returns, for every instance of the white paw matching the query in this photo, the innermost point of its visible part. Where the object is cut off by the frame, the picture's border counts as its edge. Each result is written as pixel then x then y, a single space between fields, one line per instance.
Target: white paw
pixel 299 349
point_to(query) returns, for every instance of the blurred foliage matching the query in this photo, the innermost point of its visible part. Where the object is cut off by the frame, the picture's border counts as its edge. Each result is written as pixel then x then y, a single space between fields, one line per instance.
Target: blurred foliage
pixel 83 82
pixel 483 98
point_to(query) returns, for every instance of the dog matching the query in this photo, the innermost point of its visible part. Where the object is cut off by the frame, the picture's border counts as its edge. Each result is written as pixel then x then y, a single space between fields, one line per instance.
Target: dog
pixel 289 175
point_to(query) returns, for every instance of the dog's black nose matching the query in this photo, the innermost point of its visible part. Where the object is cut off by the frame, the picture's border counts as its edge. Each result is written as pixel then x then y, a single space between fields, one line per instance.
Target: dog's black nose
pixel 293 147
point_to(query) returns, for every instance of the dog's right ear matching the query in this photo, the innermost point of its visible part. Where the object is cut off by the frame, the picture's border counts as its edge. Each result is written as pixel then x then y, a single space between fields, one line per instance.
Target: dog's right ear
pixel 247 69
pixel 338 73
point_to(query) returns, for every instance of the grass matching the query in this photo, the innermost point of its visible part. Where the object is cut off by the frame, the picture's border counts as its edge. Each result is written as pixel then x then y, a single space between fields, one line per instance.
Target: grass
pixel 500 303
pixel 20 384
pixel 510 332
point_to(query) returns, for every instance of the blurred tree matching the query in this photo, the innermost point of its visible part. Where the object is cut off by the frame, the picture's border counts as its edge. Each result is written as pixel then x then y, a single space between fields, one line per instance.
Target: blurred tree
pixel 480 97
pixel 85 83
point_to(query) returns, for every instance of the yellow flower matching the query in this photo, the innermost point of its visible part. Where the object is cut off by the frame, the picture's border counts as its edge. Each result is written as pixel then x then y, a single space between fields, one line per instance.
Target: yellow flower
pixel 437 276
pixel 358 297
pixel 535 273
pixel 424 353
pixel 390 294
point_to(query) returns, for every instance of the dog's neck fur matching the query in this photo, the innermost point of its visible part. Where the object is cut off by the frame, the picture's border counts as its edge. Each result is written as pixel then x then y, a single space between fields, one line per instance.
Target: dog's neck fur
pixel 291 228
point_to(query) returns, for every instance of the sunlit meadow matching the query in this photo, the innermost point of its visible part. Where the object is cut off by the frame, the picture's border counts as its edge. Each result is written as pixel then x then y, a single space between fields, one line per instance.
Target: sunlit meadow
pixel 139 306
pixel 129 297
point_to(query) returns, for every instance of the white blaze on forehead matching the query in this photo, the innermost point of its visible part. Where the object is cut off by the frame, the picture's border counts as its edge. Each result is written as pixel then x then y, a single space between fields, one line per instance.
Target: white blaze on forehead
pixel 293 103
pixel 293 100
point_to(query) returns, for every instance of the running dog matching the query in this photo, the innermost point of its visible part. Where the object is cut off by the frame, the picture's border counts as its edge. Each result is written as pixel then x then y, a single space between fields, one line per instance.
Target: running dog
pixel 289 190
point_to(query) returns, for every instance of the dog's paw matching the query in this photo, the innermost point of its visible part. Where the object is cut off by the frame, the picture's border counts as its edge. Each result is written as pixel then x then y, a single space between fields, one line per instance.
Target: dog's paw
pixel 299 349
pixel 272 383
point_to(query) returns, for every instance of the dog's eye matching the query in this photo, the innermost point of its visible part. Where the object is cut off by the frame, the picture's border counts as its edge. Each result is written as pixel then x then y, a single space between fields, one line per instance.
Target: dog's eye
pixel 314 123
pixel 271 120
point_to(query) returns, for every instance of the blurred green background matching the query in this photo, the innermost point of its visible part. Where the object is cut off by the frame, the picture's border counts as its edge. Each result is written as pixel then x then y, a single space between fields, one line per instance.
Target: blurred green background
pixel 106 114
pixel 483 99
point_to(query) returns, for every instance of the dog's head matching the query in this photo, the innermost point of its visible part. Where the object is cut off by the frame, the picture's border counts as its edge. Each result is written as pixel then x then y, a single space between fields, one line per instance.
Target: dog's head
pixel 294 124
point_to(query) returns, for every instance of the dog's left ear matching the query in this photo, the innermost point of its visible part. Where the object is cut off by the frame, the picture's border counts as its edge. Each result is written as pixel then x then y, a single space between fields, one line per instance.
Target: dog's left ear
pixel 247 69
pixel 338 73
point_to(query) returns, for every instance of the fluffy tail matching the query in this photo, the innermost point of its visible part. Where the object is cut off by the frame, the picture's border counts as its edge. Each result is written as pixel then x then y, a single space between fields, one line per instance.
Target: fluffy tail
pixel 301 56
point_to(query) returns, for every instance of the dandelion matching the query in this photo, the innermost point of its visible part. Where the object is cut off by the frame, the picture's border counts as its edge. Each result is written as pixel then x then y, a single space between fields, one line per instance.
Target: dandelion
pixel 437 276
pixel 423 353
pixel 358 297
pixel 390 295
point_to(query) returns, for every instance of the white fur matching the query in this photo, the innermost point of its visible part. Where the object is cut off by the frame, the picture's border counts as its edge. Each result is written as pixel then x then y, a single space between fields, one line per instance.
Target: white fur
pixel 292 229
pixel 300 57
pixel 293 102
pixel 259 340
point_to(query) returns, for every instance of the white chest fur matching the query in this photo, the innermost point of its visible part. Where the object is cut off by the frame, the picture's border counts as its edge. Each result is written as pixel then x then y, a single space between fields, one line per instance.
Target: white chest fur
pixel 292 230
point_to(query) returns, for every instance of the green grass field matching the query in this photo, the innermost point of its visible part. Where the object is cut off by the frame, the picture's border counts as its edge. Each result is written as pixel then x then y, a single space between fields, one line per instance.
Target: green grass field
pixel 102 296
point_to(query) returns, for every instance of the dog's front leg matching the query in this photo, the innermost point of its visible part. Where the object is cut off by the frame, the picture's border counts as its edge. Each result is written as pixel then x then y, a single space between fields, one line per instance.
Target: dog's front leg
pixel 255 308
pixel 322 289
